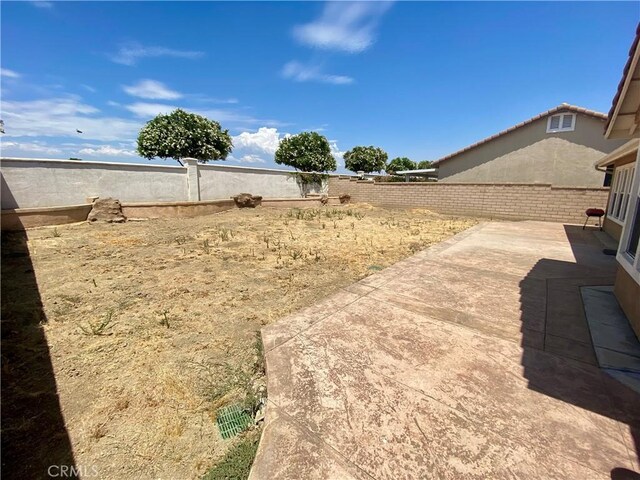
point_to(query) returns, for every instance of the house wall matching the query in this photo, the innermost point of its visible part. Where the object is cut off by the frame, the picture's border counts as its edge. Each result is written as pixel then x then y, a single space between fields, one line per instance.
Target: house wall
pixel 509 201
pixel 612 228
pixel 627 292
pixel 530 155
pixel 28 183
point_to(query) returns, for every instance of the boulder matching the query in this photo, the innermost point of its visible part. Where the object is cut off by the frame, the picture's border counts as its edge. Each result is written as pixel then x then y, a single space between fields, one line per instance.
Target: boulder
pixel 107 210
pixel 345 198
pixel 246 200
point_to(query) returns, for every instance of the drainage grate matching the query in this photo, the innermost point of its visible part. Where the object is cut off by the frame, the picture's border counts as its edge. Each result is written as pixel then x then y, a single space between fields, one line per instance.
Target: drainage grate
pixel 232 420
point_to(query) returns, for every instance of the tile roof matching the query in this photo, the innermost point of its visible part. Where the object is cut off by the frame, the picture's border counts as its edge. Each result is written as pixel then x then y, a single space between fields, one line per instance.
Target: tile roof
pixel 625 72
pixel 560 108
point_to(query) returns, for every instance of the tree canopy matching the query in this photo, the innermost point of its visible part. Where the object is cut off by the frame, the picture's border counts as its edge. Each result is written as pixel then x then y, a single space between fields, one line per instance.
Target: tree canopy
pixel 399 164
pixel 365 159
pixel 181 134
pixel 306 151
pixel 424 164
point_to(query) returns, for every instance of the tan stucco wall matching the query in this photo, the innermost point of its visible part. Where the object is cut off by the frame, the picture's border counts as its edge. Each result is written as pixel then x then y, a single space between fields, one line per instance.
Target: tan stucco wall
pixel 530 155
pixel 627 292
pixel 612 228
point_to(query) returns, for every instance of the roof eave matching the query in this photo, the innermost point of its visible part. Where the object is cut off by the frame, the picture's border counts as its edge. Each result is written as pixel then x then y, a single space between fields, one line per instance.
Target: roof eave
pixel 622 151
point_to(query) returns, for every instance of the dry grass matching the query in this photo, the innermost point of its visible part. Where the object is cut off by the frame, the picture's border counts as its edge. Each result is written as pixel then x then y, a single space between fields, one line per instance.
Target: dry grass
pixel 184 298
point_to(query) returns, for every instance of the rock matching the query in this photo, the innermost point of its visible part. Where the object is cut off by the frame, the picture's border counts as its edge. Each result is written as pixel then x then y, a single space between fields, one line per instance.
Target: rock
pixel 345 198
pixel 106 210
pixel 246 200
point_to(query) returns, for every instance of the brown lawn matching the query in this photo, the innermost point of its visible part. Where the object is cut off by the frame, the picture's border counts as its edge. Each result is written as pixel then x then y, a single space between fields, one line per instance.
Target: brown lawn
pixel 151 326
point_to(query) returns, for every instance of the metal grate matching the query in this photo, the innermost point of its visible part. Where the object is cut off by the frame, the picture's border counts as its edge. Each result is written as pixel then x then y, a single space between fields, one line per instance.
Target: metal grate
pixel 232 420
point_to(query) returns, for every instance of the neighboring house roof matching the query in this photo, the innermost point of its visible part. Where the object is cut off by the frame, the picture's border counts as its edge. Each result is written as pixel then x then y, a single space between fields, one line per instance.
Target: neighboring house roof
pixel 625 81
pixel 418 171
pixel 563 107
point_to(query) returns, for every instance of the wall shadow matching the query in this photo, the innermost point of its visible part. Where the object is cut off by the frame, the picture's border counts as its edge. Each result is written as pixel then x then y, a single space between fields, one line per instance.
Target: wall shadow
pixel 34 436
pixel 558 357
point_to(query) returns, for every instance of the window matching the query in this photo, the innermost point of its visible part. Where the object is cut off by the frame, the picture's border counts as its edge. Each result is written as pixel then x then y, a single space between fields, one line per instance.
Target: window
pixel 629 251
pixel 562 122
pixel 620 191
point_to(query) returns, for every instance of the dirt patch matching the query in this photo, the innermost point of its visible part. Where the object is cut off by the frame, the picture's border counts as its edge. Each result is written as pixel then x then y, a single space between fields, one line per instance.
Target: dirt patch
pixel 151 325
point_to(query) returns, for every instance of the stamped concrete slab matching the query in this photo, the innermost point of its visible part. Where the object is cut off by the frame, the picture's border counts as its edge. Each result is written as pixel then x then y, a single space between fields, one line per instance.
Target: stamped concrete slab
pixel 469 360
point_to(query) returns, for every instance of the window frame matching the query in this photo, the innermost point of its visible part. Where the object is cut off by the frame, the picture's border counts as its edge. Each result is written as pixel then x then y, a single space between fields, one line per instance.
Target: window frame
pixel 560 128
pixel 620 193
pixel 630 262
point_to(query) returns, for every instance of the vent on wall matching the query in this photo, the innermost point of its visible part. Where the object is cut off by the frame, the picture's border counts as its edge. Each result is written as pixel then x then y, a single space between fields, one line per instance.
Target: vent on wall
pixel 562 122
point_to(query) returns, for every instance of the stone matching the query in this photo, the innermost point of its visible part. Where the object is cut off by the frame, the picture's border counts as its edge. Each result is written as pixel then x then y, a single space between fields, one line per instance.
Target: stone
pixel 246 200
pixel 107 210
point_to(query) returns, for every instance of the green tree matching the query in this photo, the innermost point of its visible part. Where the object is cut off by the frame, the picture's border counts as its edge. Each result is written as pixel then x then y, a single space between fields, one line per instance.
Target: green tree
pixel 180 134
pixel 424 164
pixel 365 159
pixel 400 163
pixel 307 151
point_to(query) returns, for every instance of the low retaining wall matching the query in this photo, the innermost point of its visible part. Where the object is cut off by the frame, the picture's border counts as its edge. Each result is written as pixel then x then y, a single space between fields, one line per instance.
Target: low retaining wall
pixel 22 218
pixel 505 201
pixel 175 209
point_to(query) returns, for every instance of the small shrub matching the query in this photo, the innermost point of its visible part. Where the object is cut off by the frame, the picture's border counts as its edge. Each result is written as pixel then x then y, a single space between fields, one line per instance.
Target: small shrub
pixel 101 327
pixel 236 464
pixel 164 321
pixel 56 233
pixel 225 234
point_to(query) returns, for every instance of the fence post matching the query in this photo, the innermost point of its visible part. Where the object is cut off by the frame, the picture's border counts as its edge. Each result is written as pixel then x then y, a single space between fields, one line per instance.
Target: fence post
pixel 193 179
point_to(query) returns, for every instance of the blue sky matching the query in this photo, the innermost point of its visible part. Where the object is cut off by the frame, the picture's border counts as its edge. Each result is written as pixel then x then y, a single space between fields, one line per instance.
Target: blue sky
pixel 417 79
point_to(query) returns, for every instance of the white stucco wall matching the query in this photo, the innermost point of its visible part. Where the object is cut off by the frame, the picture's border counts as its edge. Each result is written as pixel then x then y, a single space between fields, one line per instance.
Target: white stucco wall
pixel 220 182
pixel 47 183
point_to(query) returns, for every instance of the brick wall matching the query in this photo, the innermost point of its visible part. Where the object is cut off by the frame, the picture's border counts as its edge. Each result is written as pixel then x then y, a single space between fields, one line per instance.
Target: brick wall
pixel 508 201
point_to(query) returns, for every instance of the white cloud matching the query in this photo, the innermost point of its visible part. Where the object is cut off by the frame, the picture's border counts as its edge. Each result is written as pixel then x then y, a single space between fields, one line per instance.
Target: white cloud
pixel 260 146
pixel 224 117
pixel 345 26
pixel 107 150
pixel 249 158
pixel 60 117
pixel 28 147
pixel 131 53
pixel 151 89
pixel 42 4
pixel 312 73
pixel 337 153
pixel 256 147
pixel 5 72
pixel 264 140
pixel 148 110
pixel 88 88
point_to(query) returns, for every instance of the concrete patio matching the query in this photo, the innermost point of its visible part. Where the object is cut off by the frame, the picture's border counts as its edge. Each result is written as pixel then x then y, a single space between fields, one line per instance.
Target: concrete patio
pixel 471 359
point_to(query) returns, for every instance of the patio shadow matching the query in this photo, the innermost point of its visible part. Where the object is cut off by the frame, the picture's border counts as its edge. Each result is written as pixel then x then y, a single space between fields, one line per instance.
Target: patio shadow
pixel 34 436
pixel 571 373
